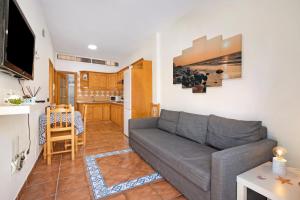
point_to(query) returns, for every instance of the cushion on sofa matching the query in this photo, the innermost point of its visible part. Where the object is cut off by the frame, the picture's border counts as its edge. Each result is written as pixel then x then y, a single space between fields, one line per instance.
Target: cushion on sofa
pixel 168 120
pixel 192 126
pixel 188 158
pixel 225 133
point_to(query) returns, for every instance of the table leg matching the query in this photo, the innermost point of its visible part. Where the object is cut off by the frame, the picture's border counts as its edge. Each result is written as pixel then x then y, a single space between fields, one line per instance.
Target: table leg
pixel 241 192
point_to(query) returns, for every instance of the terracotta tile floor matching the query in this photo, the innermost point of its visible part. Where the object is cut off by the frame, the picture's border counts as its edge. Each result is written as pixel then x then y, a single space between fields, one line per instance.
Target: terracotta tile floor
pixel 67 180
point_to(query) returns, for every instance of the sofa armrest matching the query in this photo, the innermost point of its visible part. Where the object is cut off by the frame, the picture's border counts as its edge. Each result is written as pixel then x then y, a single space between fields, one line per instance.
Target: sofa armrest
pixel 143 123
pixel 229 163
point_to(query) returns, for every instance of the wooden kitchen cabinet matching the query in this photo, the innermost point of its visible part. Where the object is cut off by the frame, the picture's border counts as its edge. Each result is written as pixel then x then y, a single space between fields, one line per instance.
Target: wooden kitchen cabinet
pixel 84 80
pixel 112 81
pixel 97 81
pixel 113 113
pixel 101 81
pixel 106 112
pixel 120 78
pixel 103 112
pixel 96 112
pixel 116 114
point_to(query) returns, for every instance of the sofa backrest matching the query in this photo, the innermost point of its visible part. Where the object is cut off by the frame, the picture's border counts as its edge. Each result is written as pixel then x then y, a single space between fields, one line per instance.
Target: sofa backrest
pixel 225 133
pixel 168 120
pixel 218 132
pixel 192 126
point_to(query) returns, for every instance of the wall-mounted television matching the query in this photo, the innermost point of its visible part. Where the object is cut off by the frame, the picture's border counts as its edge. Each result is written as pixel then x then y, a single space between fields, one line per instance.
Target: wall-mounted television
pixel 17 41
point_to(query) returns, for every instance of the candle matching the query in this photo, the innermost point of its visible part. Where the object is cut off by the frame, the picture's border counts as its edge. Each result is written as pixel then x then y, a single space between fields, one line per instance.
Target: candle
pixel 279 166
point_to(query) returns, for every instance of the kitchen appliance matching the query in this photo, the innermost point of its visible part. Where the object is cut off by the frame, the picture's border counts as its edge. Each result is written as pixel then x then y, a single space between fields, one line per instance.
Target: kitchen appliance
pixel 127 99
pixel 116 98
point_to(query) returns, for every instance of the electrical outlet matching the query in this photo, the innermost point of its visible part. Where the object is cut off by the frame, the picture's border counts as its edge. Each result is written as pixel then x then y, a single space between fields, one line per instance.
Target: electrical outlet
pixel 21 161
pixel 18 162
pixel 13 165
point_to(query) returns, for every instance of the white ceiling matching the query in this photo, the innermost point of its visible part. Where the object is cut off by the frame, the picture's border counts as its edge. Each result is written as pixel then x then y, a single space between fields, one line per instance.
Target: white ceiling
pixel 117 27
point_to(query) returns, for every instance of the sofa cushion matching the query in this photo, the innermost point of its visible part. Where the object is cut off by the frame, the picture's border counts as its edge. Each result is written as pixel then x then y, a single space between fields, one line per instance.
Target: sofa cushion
pixel 225 133
pixel 188 158
pixel 168 120
pixel 192 126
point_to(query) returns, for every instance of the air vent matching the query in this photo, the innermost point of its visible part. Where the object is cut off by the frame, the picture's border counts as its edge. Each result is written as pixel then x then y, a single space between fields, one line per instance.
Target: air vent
pixel 99 62
pixel 111 63
pixel 87 60
pixel 66 57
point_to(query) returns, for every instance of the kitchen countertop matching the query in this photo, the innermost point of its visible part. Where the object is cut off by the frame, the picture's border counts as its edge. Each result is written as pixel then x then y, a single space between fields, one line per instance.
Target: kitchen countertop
pixel 100 102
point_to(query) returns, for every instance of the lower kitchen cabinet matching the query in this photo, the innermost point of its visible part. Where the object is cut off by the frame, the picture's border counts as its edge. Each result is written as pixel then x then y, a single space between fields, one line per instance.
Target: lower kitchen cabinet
pixel 106 112
pixel 103 112
pixel 116 114
pixel 96 111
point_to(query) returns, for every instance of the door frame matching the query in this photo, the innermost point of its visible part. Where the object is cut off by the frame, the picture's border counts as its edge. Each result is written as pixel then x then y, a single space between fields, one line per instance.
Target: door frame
pixel 52 83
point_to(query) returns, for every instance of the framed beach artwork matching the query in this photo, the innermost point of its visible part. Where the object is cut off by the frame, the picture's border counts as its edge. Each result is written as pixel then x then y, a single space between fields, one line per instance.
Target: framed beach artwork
pixel 208 62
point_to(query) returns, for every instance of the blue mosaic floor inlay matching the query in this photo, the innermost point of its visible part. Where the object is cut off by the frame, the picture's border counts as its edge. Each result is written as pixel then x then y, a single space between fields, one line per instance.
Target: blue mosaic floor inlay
pixel 100 189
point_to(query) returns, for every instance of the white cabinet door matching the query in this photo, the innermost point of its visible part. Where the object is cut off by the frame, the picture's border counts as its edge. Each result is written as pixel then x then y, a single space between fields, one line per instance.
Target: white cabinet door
pixel 127 89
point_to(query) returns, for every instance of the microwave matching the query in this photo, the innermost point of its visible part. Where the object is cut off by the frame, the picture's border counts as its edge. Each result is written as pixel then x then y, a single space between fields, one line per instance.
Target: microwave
pixel 115 98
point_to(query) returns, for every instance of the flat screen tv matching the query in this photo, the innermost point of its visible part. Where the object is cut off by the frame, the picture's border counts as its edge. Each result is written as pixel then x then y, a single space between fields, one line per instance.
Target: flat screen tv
pixel 17 41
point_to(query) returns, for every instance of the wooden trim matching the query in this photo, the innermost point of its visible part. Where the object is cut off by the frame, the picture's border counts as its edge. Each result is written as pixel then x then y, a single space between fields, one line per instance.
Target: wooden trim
pixel 123 69
pixel 51 82
pixel 138 61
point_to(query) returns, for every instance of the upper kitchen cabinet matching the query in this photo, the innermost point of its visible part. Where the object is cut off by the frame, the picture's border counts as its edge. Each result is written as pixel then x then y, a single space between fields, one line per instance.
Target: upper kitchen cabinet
pixel 101 81
pixel 84 80
pixel 112 81
pixel 97 81
pixel 120 80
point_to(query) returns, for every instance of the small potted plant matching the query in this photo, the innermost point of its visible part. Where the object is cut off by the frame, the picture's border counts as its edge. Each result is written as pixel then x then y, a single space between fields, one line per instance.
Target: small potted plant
pixel 14 100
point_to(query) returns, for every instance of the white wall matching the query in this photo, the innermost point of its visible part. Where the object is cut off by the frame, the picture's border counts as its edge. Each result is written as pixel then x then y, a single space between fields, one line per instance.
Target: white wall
pixel 269 87
pixel 14 126
pixel 149 50
pixel 72 66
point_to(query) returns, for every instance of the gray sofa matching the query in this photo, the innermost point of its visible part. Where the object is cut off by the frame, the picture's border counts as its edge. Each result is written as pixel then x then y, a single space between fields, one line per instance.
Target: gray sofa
pixel 200 155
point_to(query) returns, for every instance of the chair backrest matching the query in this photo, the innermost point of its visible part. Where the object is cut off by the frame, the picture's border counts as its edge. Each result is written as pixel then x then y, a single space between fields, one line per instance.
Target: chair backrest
pixel 155 110
pixel 85 107
pixel 62 106
pixel 60 117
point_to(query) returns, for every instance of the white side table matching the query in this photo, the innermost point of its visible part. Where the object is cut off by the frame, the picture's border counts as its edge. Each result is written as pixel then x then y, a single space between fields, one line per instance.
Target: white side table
pixel 262 180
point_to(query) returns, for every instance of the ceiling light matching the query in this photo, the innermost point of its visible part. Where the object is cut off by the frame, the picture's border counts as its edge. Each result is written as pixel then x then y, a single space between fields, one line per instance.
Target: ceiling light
pixel 92 47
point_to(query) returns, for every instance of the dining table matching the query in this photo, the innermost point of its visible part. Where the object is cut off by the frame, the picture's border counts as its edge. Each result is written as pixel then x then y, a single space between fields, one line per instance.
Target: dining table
pixel 78 122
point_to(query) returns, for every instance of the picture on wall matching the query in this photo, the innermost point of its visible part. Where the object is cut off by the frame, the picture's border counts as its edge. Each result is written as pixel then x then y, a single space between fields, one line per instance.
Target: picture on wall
pixel 208 62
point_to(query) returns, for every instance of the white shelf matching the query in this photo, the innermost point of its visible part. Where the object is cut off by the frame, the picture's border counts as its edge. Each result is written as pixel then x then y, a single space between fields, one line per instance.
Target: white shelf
pixel 14 110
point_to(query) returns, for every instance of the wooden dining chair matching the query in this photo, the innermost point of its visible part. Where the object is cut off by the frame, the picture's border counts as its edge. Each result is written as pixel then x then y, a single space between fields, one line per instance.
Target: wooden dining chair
pixel 81 139
pixel 60 130
pixel 155 110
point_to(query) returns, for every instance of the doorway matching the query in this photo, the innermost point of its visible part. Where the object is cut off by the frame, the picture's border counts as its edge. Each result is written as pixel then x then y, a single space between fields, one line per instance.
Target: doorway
pixel 66 84
pixel 52 75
